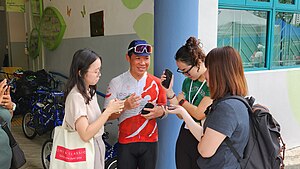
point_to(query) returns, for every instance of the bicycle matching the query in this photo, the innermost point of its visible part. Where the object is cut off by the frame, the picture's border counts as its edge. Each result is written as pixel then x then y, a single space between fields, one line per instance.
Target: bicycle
pixel 110 153
pixel 46 113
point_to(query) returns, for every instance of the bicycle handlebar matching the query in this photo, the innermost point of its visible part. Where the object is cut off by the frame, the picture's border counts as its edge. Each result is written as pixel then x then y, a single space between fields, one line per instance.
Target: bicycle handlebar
pixel 61 75
pixel 58 74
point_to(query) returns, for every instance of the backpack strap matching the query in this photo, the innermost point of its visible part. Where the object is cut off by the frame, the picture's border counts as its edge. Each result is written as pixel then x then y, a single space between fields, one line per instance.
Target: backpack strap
pixel 1 120
pixel 233 150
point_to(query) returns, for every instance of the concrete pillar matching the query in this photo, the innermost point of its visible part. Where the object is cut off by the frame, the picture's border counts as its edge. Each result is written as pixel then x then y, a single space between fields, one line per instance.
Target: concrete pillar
pixel 174 22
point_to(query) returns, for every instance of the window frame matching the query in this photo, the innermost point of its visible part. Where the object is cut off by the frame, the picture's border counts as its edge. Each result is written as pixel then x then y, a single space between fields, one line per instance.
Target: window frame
pixel 279 5
pixel 271 7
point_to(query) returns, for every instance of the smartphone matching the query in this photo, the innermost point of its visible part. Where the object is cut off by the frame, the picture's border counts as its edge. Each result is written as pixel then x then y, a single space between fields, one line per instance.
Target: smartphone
pixel 10 83
pixel 148 105
pixel 166 83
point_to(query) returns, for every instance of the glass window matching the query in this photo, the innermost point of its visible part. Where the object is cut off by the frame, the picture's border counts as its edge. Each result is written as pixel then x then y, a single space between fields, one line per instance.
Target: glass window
pixel 286 49
pixel 287 1
pixel 246 31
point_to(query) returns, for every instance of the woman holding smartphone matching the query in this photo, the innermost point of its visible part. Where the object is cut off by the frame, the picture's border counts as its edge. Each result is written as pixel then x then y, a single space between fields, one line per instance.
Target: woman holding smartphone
pixel 195 98
pixel 6 112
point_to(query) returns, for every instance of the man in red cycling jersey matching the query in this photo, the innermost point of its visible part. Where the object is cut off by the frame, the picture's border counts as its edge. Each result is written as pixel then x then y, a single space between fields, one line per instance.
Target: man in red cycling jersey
pixel 138 134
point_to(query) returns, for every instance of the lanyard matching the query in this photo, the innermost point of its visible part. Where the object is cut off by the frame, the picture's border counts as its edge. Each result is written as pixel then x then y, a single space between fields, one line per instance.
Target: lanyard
pixel 196 92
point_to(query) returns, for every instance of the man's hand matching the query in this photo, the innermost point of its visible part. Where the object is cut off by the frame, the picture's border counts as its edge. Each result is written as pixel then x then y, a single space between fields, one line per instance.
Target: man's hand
pixel 155 112
pixel 132 102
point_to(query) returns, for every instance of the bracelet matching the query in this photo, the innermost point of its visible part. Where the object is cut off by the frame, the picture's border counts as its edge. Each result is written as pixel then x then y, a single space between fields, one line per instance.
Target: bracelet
pixel 169 98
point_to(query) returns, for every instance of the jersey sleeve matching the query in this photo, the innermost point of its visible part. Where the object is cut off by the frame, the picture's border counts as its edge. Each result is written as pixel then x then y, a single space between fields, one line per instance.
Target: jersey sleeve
pixel 111 92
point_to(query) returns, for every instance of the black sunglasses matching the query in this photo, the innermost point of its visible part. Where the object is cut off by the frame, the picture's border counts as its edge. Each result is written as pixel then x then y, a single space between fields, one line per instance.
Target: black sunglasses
pixel 184 72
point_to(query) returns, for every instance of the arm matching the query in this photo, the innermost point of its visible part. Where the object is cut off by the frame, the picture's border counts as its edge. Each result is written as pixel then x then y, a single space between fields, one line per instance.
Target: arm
pixel 5 98
pixel 210 142
pixel 132 102
pixel 222 122
pixel 194 127
pixel 198 111
pixel 87 131
pixel 158 111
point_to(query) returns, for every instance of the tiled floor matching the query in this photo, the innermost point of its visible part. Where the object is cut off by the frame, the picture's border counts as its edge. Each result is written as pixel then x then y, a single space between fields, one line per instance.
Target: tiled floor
pixel 32 148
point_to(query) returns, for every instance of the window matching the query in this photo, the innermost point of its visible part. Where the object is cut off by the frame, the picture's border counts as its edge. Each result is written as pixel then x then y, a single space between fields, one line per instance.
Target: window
pixel 287 1
pixel 246 31
pixel 286 48
pixel 266 33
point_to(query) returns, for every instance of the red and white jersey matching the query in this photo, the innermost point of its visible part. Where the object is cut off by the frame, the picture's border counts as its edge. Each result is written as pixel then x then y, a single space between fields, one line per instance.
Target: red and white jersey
pixel 132 126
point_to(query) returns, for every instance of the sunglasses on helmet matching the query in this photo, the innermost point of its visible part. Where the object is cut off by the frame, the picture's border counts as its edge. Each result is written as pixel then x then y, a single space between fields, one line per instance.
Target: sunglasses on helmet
pixel 142 48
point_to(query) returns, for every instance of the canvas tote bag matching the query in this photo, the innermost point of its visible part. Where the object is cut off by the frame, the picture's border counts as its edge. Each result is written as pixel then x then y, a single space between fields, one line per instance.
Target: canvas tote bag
pixel 69 151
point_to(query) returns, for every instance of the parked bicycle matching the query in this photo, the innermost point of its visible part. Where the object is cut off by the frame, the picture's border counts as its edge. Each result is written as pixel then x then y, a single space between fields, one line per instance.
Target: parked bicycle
pixel 46 112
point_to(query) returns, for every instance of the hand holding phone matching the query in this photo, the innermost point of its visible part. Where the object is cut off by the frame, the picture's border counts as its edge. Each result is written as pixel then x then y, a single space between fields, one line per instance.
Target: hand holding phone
pixel 169 107
pixel 148 105
pixel 166 83
pixel 10 83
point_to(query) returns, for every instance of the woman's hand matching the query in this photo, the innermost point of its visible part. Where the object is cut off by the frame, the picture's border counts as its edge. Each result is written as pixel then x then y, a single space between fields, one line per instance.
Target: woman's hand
pixel 6 100
pixel 169 91
pixel 174 109
pixel 3 89
pixel 115 106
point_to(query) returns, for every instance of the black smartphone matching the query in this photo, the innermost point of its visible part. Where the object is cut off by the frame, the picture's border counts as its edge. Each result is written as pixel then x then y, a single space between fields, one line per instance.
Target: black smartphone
pixel 10 83
pixel 148 105
pixel 166 83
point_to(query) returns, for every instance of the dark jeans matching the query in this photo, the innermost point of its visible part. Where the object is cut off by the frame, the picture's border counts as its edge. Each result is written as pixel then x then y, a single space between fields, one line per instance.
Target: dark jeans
pixel 137 155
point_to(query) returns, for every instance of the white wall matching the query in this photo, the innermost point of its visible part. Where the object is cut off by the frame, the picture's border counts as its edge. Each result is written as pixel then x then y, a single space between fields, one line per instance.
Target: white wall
pixel 16 26
pixel 17 39
pixel 117 18
pixel 208 21
pixel 279 90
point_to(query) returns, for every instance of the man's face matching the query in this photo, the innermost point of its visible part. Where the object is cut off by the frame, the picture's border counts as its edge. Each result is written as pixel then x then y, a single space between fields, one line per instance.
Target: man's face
pixel 138 64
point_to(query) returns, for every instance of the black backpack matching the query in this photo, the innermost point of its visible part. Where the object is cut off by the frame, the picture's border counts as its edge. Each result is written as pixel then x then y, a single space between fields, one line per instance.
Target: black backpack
pixel 265 148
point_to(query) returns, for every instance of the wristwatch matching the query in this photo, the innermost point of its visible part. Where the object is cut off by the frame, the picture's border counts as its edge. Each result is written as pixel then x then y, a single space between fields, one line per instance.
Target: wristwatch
pixel 181 102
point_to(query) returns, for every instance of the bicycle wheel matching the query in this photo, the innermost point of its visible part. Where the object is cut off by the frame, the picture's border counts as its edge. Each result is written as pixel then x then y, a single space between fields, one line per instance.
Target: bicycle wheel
pixel 46 152
pixel 27 122
pixel 111 163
